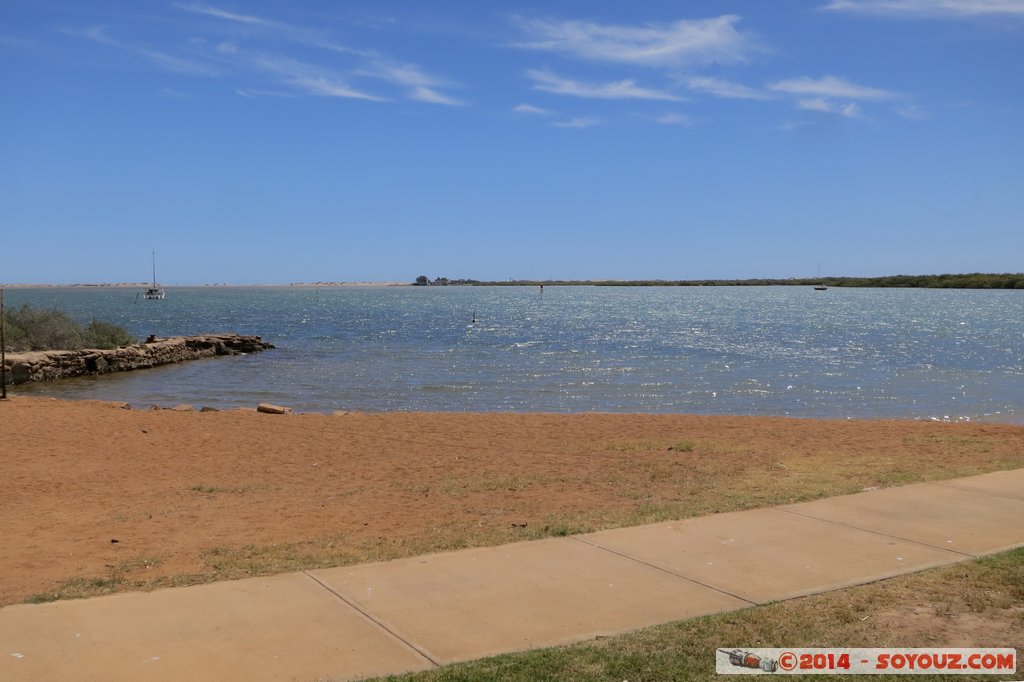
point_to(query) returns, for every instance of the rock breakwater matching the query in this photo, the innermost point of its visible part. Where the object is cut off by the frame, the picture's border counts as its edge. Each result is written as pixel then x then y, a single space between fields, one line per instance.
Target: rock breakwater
pixel 52 365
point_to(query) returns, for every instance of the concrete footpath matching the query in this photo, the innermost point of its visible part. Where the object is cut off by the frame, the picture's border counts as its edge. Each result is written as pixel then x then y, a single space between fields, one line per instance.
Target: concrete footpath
pixel 422 612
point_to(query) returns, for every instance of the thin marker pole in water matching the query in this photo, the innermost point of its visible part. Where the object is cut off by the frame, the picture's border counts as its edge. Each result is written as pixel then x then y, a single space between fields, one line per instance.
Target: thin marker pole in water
pixel 3 351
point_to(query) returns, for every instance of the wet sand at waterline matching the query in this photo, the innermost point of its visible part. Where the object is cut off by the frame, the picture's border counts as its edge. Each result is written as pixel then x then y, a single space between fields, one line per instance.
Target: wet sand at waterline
pixel 97 498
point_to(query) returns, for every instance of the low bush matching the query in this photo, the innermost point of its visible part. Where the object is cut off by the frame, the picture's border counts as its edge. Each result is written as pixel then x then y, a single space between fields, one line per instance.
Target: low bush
pixel 28 329
pixel 99 334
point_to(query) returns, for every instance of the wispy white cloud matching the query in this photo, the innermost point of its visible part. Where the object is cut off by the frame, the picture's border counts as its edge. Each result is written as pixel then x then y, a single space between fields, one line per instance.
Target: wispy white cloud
pixel 177 64
pixel 530 109
pixel 832 95
pixel 830 87
pixel 849 110
pixel 168 62
pixel 327 87
pixel 96 34
pixel 250 93
pixel 674 119
pixel 310 79
pixel 724 89
pixel 683 42
pixel 290 32
pixel 200 8
pixel 913 112
pixel 624 89
pixel 929 8
pixel 578 122
pixel 431 96
pixel 422 86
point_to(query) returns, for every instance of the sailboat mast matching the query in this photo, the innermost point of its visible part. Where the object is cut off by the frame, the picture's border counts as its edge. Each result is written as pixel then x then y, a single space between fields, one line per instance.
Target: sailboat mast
pixel 154 269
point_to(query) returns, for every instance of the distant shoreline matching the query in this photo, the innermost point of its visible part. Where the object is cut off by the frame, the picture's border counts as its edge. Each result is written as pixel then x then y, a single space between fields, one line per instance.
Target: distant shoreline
pixel 143 285
pixel 944 281
pixel 975 280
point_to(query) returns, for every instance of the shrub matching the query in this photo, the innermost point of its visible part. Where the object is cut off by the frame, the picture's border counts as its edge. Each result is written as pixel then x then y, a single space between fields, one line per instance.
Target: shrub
pixel 29 328
pixel 43 329
pixel 99 334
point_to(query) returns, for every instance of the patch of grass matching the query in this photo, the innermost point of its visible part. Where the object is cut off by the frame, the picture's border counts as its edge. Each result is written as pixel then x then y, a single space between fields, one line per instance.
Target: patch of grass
pixel 980 442
pixel 227 563
pixel 491 482
pixel 632 446
pixel 84 587
pixel 416 488
pixel 78 588
pixel 232 563
pixel 876 615
pixel 133 565
pixel 649 445
pixel 560 530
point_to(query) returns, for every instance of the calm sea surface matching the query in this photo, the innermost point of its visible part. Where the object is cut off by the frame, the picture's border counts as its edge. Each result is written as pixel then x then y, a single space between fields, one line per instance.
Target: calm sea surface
pixel 906 353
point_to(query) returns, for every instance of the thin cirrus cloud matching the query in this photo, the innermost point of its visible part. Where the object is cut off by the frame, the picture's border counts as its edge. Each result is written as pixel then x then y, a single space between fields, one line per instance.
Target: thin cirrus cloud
pixel 200 8
pixel 580 123
pixel 547 81
pixel 673 44
pixel 310 79
pixel 725 89
pixel 929 8
pixel 167 62
pixel 849 110
pixel 830 87
pixel 290 32
pixel 674 119
pixel 422 86
pixel 530 109
pixel 821 95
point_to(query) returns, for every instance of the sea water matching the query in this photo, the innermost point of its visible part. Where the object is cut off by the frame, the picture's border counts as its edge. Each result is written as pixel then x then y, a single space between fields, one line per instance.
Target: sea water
pixel 842 353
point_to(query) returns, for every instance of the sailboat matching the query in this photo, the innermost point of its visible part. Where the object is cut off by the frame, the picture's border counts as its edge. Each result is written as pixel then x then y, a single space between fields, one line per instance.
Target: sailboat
pixel 820 286
pixel 154 293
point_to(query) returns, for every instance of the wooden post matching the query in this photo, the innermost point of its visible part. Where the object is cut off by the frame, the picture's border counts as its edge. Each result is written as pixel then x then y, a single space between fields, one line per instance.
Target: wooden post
pixel 3 351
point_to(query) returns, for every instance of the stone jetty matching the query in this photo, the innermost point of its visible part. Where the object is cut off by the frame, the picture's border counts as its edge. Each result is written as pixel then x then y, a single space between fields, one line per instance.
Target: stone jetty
pixel 52 365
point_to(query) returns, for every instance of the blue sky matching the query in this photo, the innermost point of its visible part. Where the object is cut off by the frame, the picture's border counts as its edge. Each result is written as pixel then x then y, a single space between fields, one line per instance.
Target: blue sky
pixel 277 142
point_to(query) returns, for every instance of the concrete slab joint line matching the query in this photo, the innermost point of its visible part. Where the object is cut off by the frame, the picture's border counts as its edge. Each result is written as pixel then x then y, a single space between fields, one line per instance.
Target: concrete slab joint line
pixel 966 555
pixel 973 516
pixel 583 539
pixel 956 485
pixel 412 646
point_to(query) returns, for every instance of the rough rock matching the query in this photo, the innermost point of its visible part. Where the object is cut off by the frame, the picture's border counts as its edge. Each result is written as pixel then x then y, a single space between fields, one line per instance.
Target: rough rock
pixel 59 364
pixel 20 371
pixel 267 408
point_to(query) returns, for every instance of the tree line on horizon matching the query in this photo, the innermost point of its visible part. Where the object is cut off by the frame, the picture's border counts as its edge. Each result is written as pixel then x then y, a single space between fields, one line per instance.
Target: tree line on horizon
pixel 944 281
